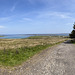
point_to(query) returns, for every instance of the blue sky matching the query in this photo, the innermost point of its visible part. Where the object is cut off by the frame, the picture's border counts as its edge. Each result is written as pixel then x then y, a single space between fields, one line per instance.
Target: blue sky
pixel 36 16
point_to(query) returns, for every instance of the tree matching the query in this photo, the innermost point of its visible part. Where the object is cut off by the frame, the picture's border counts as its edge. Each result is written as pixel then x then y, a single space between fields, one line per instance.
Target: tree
pixel 72 35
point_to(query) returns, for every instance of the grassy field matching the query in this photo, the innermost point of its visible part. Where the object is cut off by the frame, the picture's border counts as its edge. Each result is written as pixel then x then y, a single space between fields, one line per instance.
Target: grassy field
pixel 1 36
pixel 29 42
pixel 14 52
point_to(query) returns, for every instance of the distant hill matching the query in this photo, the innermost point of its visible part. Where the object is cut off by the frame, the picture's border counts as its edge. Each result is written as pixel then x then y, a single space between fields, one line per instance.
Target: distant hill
pixel 60 34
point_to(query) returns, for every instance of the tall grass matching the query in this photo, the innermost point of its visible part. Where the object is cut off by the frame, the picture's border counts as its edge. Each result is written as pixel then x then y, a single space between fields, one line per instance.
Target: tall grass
pixel 16 57
pixel 14 52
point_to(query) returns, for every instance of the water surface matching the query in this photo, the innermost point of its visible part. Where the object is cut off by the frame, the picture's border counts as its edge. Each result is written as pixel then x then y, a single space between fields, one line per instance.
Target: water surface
pixel 21 36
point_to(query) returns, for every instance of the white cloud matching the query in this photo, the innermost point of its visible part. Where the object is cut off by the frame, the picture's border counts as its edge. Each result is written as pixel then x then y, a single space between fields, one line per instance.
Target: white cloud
pixel 61 15
pixel 54 14
pixel 5 19
pixel 2 27
pixel 25 19
pixel 70 24
pixel 13 8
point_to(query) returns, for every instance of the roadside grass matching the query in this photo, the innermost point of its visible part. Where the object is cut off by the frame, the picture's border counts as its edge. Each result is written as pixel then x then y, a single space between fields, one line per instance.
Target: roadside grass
pixel 14 52
pixel 11 58
pixel 29 42
pixel 17 56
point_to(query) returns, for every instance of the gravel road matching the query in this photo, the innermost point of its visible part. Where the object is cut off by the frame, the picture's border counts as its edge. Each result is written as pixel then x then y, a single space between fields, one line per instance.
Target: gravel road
pixel 57 60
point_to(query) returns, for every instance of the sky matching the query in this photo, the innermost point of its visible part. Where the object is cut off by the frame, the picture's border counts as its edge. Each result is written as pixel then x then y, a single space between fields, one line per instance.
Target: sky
pixel 36 16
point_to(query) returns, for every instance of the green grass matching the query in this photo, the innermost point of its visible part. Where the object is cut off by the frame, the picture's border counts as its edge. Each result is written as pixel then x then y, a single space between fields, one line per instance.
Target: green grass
pixel 44 37
pixel 39 37
pixel 14 52
pixel 1 36
pixel 18 56
pixel 33 41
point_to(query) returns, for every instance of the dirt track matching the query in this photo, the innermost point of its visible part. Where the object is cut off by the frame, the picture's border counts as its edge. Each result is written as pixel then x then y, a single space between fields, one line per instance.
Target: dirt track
pixel 57 60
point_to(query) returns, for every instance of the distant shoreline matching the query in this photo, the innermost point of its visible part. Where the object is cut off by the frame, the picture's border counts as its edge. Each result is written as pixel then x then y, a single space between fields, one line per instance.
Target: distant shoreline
pixel 1 36
pixel 21 36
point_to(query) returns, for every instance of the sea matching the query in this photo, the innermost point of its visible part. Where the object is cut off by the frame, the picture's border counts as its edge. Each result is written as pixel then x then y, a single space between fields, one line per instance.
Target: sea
pixel 22 36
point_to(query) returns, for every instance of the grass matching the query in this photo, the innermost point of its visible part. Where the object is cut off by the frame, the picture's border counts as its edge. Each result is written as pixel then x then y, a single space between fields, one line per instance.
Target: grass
pixel 24 49
pixel 29 42
pixel 17 56
pixel 1 36
pixel 43 37
pixel 39 37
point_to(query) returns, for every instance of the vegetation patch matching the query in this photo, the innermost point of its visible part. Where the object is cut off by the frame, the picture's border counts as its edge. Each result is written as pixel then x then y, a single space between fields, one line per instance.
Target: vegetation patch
pixel 14 52
pixel 18 56
pixel 43 37
pixel 29 42
pixel 39 37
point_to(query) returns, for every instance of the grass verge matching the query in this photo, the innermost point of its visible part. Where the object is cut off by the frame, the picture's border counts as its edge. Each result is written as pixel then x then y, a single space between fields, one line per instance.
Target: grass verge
pixel 17 56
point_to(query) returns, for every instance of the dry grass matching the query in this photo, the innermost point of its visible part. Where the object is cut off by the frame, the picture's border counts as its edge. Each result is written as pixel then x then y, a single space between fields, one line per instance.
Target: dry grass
pixel 14 52
pixel 18 43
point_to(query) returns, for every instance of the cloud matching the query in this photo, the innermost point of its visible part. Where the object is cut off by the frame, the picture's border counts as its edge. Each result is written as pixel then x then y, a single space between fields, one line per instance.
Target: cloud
pixel 70 24
pixel 5 19
pixel 13 8
pixel 2 27
pixel 48 14
pixel 60 5
pixel 25 19
pixel 61 15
